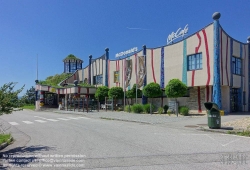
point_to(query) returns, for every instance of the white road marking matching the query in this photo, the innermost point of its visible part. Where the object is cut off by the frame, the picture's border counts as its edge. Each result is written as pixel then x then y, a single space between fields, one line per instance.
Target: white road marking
pixel 63 119
pixel 53 120
pixel 27 122
pixel 40 117
pixel 72 118
pixel 13 123
pixel 83 118
pixel 41 121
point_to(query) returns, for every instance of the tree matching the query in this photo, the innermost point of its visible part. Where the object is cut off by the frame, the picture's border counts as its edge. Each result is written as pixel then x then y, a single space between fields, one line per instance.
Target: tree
pixel 152 90
pixel 101 93
pixel 132 93
pixel 30 96
pixel 115 93
pixel 9 98
pixel 175 88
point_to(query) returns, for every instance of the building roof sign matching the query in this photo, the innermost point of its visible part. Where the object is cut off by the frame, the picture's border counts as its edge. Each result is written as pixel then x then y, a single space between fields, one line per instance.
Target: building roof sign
pixel 179 33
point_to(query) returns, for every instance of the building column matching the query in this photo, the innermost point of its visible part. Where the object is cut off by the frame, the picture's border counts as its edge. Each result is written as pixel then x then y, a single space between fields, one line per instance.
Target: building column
pixel 248 41
pixel 216 83
pixel 90 59
pixel 106 66
pixel 144 98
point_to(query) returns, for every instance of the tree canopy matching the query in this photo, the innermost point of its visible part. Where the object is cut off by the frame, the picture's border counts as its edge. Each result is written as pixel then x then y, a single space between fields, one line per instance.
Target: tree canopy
pixel 115 92
pixel 152 90
pixel 132 92
pixel 30 96
pixel 9 98
pixel 175 88
pixel 101 93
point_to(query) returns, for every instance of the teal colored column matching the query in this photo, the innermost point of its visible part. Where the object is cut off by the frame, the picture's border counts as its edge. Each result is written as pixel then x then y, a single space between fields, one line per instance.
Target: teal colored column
pixel 106 67
pixel 184 66
pixel 144 98
pixel 216 83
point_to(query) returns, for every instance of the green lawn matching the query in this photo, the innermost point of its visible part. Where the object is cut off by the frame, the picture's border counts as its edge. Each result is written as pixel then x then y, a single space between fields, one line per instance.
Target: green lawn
pixel 4 138
pixel 31 107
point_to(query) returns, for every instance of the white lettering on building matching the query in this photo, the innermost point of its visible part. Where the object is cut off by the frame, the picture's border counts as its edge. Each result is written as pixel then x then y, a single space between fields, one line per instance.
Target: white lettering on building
pixel 132 50
pixel 179 33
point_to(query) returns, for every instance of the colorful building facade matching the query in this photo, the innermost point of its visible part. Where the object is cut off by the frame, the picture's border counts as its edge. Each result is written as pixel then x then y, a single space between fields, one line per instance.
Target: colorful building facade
pixel 213 65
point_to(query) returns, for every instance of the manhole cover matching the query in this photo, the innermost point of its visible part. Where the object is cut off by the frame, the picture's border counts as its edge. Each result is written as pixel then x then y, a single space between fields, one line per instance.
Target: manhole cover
pixel 202 124
pixel 191 126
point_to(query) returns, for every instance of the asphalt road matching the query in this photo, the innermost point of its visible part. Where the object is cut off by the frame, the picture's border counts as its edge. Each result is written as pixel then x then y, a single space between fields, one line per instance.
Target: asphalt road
pixel 45 140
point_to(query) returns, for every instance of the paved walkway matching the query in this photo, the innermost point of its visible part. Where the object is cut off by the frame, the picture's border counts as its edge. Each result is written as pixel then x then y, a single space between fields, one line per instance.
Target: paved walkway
pixel 163 119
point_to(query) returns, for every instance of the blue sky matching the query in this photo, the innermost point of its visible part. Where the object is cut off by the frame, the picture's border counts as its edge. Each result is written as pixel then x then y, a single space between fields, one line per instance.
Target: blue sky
pixel 53 29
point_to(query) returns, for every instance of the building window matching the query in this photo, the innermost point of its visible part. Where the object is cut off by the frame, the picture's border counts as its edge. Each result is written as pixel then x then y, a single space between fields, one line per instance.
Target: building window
pixel 236 65
pixel 97 79
pixel 195 61
pixel 79 65
pixel 67 67
pixel 116 76
pixel 72 67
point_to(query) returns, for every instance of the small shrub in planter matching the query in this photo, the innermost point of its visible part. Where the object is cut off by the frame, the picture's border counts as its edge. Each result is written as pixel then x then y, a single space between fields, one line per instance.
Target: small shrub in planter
pixel 165 108
pixel 128 108
pixel 184 110
pixel 137 108
pixel 160 110
pixel 146 108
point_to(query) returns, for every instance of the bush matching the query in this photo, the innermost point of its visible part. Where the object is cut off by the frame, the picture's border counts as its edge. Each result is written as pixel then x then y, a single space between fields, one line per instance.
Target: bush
pixel 137 108
pixel 165 108
pixel 146 108
pixel 183 110
pixel 128 108
pixel 160 110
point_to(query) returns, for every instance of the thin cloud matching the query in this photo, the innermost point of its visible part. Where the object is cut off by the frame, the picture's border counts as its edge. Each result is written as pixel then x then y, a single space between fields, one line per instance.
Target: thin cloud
pixel 144 29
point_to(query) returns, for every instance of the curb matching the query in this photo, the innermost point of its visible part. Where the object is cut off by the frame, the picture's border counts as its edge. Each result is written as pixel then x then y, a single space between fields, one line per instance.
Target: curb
pixel 5 144
pixel 221 130
pixel 124 120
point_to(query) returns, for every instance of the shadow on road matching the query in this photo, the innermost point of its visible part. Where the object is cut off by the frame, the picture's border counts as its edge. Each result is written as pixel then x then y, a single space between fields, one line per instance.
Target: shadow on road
pixel 22 156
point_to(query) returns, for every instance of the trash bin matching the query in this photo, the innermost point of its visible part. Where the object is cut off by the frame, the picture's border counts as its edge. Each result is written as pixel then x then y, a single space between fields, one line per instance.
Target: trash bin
pixel 222 113
pixel 213 115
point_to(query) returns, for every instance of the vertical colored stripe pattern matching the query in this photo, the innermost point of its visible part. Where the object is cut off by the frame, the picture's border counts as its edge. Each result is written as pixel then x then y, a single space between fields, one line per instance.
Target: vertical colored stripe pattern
pixel 231 71
pixel 248 75
pixel 109 73
pixel 144 98
pixel 227 63
pixel 221 58
pixel 106 68
pixel 152 65
pixel 136 81
pixel 207 56
pixel 216 82
pixel 129 80
pixel 240 106
pixel 162 68
pixel 184 66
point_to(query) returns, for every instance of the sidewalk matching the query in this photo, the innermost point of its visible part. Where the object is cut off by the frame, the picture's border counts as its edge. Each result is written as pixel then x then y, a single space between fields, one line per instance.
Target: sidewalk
pixel 162 119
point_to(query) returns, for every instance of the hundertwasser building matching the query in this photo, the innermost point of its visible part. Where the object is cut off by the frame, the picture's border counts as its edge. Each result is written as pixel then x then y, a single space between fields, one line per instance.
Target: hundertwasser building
pixel 213 65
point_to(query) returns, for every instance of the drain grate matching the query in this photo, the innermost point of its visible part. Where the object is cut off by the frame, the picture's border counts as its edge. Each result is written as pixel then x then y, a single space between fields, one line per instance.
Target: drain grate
pixel 191 126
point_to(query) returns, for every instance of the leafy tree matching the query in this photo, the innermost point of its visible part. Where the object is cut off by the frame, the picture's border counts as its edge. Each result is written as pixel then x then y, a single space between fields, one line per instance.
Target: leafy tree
pixel 132 93
pixel 9 98
pixel 115 93
pixel 30 96
pixel 101 93
pixel 175 88
pixel 152 90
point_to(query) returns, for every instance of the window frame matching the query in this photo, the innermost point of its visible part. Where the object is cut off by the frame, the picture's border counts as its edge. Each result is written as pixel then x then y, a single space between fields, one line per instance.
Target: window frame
pixel 194 62
pixel 236 65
